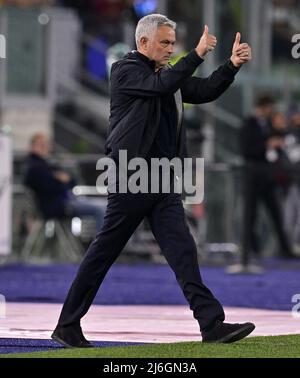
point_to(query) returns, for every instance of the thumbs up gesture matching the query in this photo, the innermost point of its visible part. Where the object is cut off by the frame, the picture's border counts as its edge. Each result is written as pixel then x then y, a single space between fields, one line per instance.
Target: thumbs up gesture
pixel 241 52
pixel 206 44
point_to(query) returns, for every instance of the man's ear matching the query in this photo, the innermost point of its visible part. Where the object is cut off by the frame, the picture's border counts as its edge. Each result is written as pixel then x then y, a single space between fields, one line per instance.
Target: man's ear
pixel 143 42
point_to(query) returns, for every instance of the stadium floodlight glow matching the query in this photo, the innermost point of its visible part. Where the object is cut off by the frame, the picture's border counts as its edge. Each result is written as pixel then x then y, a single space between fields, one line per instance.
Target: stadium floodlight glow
pixel 43 19
pixel 2 46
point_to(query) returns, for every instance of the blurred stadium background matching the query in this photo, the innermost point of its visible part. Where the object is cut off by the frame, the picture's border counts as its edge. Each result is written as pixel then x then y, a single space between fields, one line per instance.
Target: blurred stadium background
pixel 55 80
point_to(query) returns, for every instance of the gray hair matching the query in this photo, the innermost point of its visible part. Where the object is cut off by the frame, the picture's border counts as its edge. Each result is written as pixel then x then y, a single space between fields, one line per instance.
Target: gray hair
pixel 147 26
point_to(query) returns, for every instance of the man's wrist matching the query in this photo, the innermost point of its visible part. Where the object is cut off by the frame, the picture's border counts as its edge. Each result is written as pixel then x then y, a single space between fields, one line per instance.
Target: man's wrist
pixel 232 66
pixel 200 55
pixel 195 56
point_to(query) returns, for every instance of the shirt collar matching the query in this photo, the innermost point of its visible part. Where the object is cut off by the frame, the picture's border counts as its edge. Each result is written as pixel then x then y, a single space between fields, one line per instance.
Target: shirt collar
pixel 144 58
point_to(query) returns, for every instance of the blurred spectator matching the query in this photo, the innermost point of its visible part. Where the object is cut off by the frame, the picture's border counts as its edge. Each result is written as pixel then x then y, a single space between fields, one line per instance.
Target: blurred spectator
pixel 52 186
pixel 295 125
pixel 278 154
pixel 292 201
pixel 258 139
pixel 292 139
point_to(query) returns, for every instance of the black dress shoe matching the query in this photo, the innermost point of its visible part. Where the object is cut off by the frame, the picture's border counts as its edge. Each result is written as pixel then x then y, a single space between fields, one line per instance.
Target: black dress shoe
pixel 71 337
pixel 227 333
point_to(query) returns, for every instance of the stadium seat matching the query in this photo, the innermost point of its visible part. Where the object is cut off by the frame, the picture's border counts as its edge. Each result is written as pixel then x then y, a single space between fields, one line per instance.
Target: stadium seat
pixel 49 233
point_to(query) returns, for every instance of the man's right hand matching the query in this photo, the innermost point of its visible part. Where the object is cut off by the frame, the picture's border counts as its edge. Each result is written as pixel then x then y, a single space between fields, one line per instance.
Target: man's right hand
pixel 206 44
pixel 63 177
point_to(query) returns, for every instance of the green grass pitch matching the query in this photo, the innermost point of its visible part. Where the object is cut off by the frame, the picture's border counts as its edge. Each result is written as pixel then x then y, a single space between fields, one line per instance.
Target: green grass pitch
pixel 253 347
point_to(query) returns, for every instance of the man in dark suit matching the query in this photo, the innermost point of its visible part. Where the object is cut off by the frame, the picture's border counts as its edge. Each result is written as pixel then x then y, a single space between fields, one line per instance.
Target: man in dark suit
pixel 52 185
pixel 145 121
pixel 258 139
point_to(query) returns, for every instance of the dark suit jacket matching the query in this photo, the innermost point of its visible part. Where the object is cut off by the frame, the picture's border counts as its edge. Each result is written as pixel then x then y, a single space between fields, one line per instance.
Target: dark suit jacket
pixel 51 194
pixel 136 91
pixel 254 137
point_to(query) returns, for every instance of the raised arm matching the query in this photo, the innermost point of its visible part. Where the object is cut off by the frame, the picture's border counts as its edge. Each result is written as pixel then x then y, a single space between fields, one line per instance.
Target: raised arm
pixel 133 78
pixel 199 90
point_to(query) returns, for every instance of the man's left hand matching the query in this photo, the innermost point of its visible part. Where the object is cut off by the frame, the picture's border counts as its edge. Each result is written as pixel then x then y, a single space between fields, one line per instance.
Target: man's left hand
pixel 63 177
pixel 241 52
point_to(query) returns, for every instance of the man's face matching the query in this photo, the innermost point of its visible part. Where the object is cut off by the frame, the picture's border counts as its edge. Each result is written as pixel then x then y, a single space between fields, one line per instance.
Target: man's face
pixel 295 121
pixel 265 110
pixel 279 121
pixel 42 146
pixel 268 110
pixel 160 47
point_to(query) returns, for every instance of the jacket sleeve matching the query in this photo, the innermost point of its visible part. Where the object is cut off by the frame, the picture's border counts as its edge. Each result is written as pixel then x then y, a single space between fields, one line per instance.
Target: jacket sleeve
pixel 42 180
pixel 200 91
pixel 133 79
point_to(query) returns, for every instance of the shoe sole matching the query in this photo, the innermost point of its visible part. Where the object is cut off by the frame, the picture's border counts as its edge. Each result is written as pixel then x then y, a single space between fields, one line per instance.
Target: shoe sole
pixel 235 336
pixel 60 341
pixel 66 345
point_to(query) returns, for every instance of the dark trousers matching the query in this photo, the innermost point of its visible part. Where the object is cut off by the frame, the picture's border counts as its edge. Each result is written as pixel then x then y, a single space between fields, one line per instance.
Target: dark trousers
pixel 261 189
pixel 167 220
